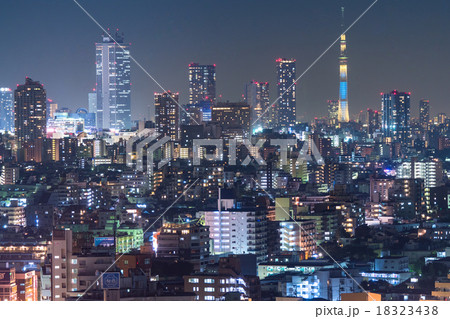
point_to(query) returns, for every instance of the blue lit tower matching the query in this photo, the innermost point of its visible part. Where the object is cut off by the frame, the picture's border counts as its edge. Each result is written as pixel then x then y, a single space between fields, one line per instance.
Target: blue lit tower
pixel 343 80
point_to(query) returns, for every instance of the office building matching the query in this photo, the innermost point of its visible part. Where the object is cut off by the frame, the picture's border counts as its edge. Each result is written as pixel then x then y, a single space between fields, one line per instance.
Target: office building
pixel 113 83
pixel 396 116
pixel 232 115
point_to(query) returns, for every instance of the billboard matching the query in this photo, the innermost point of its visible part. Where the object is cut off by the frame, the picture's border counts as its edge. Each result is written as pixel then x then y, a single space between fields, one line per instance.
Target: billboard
pixel 104 242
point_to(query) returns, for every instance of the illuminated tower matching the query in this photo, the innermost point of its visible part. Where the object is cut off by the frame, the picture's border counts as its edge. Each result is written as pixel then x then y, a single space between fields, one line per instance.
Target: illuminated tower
pixel 343 88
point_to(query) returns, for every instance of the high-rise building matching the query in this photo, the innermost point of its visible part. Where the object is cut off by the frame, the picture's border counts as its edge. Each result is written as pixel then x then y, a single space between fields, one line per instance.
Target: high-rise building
pixel 343 80
pixel 286 92
pixel 202 83
pixel 372 121
pixel 232 115
pixel 30 120
pixel 333 111
pixel 92 102
pixel 424 114
pixel 52 108
pixel 6 110
pixel 256 95
pixel 113 83
pixel 167 114
pixel 239 231
pixel 396 116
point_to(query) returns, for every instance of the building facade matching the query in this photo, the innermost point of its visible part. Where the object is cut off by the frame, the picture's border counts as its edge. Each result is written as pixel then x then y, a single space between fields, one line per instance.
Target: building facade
pixel 202 83
pixel 113 87
pixel 30 120
pixel 286 92
pixel 6 110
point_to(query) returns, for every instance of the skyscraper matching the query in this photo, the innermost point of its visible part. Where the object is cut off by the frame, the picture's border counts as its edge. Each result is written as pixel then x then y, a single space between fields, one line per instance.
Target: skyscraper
pixel 92 102
pixel 30 111
pixel 202 83
pixel 256 95
pixel 424 114
pixel 396 116
pixel 113 83
pixel 286 92
pixel 343 80
pixel 333 111
pixel 167 114
pixel 6 110
pixel 51 108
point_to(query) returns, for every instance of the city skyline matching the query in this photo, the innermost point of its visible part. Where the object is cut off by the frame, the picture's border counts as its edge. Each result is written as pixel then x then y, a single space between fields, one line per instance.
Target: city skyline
pixel 245 174
pixel 239 67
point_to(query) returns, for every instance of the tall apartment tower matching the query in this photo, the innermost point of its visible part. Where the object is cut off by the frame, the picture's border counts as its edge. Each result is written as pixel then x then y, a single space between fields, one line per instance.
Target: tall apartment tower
pixel 256 95
pixel 333 111
pixel 424 114
pixel 30 118
pixel 202 83
pixel 6 110
pixel 113 83
pixel 343 79
pixel 396 116
pixel 167 114
pixel 286 93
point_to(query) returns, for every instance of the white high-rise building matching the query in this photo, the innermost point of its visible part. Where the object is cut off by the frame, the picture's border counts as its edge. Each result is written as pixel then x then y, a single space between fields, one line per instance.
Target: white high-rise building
pixel 237 231
pixel 430 171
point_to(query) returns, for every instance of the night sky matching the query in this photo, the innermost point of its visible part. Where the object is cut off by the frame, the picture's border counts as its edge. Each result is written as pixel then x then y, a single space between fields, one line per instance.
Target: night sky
pixel 398 44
